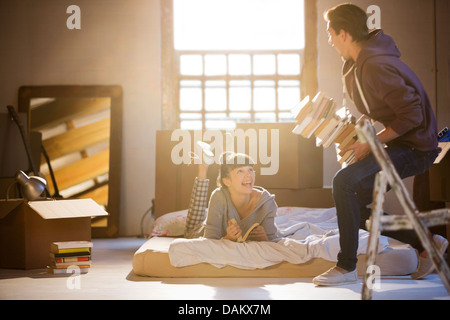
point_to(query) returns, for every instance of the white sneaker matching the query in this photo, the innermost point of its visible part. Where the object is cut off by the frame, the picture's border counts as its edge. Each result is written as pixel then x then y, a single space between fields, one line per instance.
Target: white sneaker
pixel 426 266
pixel 333 277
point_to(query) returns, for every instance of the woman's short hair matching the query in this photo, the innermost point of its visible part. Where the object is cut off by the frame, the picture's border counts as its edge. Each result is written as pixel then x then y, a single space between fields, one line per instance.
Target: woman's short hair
pixel 349 18
pixel 230 161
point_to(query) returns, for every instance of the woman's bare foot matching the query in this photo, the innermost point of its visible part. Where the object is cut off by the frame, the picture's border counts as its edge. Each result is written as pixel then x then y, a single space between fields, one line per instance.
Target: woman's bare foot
pixel 202 171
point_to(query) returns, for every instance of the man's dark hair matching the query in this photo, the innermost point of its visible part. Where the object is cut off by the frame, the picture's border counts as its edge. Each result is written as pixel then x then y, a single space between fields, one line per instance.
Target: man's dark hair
pixel 349 18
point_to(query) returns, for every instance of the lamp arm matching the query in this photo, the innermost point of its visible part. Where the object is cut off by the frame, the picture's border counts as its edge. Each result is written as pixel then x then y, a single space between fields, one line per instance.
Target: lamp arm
pixel 16 119
pixel 52 175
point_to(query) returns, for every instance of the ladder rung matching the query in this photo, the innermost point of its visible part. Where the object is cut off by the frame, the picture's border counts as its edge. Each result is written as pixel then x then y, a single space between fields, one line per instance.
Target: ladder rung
pixel 429 218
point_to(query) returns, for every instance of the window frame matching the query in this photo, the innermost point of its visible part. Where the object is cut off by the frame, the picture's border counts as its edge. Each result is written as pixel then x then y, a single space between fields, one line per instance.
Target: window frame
pixel 171 75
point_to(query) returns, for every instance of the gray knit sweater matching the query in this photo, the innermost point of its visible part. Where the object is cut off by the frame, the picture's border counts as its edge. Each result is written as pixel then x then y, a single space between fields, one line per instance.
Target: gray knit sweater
pixel 221 210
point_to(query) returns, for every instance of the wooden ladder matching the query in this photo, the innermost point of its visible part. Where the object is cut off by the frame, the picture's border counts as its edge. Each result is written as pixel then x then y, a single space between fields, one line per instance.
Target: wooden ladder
pixel 412 219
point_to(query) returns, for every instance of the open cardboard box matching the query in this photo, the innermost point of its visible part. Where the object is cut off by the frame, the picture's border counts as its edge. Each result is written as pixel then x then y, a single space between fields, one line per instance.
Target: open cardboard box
pixel 27 228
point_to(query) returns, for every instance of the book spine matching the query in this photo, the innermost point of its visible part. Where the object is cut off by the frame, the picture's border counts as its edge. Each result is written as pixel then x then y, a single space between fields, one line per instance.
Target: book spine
pixel 80 264
pixel 51 270
pixel 319 117
pixel 72 259
pixel 73 250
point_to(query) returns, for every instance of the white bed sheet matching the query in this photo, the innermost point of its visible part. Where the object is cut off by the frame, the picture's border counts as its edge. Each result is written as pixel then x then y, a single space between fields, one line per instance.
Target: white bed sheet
pixel 306 233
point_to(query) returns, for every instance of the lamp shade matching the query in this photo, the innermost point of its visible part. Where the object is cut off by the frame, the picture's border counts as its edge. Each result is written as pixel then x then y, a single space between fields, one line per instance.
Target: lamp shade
pixel 32 187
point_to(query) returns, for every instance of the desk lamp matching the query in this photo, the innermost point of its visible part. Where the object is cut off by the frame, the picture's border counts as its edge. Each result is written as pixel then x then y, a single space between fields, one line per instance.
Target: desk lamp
pixel 32 187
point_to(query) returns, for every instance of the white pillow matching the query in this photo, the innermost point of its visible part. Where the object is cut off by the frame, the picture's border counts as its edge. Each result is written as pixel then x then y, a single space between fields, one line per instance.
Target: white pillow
pixel 170 225
pixel 281 211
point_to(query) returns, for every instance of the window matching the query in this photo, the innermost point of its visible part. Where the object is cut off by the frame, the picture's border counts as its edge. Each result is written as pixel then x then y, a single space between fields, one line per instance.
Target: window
pixel 238 24
pixel 236 61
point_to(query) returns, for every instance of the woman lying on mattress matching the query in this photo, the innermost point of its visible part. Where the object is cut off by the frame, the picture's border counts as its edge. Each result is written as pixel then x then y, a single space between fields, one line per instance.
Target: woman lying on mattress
pixel 234 206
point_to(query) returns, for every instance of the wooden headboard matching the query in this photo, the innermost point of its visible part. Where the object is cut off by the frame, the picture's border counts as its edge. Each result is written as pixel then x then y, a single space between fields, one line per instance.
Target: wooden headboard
pixel 298 181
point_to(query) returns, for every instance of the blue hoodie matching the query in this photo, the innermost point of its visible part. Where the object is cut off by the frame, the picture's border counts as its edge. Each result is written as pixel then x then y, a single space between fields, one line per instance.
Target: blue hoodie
pixel 394 94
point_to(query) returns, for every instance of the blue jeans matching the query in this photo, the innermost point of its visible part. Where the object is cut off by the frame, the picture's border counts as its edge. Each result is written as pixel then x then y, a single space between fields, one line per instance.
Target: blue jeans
pixel 352 193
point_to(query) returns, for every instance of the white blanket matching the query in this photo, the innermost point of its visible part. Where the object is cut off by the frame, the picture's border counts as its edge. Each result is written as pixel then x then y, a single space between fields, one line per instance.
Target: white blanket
pixel 306 233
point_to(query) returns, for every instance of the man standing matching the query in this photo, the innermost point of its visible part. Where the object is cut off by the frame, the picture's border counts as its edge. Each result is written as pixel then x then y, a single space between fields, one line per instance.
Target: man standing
pixel 383 89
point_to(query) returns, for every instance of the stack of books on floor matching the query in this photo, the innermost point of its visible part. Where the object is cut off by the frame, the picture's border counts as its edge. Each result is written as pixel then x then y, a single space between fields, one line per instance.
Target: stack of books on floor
pixel 320 118
pixel 68 255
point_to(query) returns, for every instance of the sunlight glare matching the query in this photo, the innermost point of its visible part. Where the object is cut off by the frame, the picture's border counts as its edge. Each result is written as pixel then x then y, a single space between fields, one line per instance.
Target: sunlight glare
pixel 238 24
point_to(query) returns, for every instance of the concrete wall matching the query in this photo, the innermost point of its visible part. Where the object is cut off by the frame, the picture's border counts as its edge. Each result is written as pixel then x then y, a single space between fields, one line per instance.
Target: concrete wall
pixel 118 44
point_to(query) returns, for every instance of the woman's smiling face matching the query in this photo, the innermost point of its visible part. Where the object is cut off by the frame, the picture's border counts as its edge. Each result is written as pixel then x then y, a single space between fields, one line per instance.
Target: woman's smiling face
pixel 241 179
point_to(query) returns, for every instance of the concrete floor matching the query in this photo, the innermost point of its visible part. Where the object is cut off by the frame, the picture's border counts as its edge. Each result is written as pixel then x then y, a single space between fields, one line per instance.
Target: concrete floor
pixel 111 278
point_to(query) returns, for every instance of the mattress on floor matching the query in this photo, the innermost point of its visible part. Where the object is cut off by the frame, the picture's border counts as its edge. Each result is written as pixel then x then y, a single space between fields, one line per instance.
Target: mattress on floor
pixel 152 260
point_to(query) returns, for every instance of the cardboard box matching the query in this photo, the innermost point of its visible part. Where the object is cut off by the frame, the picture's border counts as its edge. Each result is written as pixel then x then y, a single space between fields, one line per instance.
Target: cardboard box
pixel 440 175
pixel 27 228
pixel 299 164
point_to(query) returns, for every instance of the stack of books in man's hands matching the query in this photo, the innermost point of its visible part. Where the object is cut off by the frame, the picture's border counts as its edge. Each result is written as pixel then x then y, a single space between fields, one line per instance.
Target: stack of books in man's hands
pixel 70 254
pixel 320 117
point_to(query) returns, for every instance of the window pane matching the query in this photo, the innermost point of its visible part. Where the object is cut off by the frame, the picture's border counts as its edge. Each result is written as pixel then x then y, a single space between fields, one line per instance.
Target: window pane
pixel 239 64
pixel 256 24
pixel 215 83
pixel 190 99
pixel 289 83
pixel 288 97
pixel 191 125
pixel 240 83
pixel 240 116
pixel 240 99
pixel 264 99
pixel 265 117
pixel 285 117
pixel 288 64
pixel 190 83
pixel 215 64
pixel 264 83
pixel 220 124
pixel 191 65
pixel 215 115
pixel 215 99
pixel 263 64
pixel 190 116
